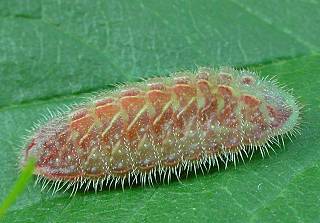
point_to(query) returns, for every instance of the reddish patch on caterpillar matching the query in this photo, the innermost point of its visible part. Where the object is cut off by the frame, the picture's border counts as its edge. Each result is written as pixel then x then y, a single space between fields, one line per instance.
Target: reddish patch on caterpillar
pixel 247 80
pixel 103 102
pixel 172 125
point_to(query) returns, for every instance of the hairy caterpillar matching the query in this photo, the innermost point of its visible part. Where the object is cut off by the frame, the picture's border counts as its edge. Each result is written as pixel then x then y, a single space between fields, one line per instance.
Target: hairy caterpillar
pixel 161 127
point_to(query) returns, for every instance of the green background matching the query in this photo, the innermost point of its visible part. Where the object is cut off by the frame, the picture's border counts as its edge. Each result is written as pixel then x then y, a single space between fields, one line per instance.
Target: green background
pixel 54 52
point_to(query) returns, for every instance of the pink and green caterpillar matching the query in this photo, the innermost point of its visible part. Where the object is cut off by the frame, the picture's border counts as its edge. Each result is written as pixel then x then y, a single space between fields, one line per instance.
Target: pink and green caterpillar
pixel 163 127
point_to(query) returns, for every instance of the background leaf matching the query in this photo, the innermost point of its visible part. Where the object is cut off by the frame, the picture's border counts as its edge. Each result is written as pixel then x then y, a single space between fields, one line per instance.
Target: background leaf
pixel 51 52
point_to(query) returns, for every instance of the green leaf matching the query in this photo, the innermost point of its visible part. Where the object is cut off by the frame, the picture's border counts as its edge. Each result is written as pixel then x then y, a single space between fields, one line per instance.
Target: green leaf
pixel 52 52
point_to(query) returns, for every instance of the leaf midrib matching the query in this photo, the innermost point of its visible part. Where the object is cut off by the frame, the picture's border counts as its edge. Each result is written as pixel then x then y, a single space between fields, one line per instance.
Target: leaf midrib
pixel 86 93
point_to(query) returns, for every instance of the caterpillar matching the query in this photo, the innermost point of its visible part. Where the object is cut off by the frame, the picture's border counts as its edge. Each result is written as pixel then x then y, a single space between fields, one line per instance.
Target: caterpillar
pixel 162 127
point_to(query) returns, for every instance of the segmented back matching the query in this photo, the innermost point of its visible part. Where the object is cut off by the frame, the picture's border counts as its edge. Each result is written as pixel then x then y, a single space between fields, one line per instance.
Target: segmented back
pixel 164 125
